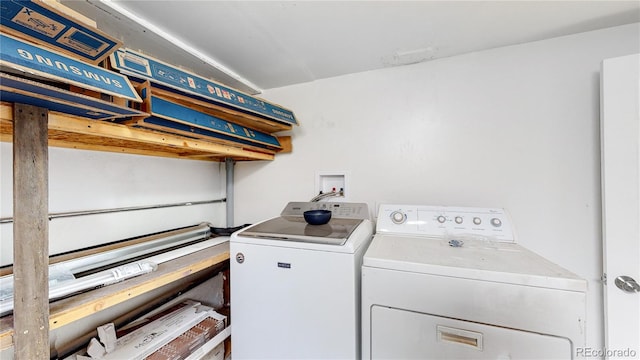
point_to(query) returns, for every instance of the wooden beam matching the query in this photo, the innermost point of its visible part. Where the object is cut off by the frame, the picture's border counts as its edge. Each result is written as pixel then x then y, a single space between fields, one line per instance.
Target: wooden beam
pixel 30 232
pixel 117 131
pixel 285 142
pixel 73 132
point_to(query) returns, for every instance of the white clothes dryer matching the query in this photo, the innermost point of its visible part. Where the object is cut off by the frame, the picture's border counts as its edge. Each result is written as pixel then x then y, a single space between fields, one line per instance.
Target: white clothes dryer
pixel 451 283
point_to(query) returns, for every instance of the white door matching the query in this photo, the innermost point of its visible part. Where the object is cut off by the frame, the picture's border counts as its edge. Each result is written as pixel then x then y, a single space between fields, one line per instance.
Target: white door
pixel 620 136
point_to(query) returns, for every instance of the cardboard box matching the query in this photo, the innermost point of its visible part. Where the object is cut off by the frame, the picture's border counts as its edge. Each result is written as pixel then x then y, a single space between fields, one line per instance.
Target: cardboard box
pixel 236 116
pixel 171 117
pixel 57 27
pixel 38 62
pixel 144 67
pixel 19 90
pixel 153 336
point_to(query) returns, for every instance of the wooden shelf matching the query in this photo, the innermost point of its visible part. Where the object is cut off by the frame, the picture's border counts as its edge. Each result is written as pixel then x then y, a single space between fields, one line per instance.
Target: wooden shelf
pixel 79 133
pixel 65 311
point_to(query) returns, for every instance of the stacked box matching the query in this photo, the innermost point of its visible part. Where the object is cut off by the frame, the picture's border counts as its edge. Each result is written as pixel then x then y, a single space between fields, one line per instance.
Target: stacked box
pixel 169 116
pixel 154 335
pixel 57 27
pixel 59 51
pixel 189 341
pixel 226 101
pixel 45 64
pixel 52 53
pixel 20 90
pixel 122 331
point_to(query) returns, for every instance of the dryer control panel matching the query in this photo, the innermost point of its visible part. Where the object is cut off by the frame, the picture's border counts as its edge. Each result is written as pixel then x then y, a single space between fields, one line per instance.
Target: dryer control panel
pixel 446 221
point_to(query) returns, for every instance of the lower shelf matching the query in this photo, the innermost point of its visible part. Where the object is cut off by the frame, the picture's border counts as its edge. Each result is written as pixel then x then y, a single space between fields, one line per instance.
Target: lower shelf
pixel 65 311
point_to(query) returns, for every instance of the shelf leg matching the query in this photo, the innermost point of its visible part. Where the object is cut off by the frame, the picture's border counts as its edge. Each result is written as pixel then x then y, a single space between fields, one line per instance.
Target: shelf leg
pixel 229 167
pixel 30 232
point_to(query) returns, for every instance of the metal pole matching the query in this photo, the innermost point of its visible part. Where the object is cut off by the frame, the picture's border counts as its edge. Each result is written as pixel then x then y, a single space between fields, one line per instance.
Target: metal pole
pixel 229 166
pixel 52 216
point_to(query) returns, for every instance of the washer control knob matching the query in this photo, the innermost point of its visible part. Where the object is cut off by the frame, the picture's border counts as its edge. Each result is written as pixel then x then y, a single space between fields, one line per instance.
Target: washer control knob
pixel 458 220
pixel 398 217
pixel 496 222
pixel 477 220
pixel 441 219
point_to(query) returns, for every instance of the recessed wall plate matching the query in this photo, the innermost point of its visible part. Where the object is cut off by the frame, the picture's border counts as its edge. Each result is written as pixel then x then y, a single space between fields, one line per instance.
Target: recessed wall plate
pixel 330 181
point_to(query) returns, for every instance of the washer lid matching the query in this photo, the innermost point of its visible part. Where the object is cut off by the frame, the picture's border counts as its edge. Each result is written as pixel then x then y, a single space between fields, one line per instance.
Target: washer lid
pixel 291 226
pixel 475 259
pixel 294 228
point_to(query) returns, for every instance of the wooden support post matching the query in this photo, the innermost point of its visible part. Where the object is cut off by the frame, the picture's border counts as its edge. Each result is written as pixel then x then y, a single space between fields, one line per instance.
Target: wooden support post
pixel 30 233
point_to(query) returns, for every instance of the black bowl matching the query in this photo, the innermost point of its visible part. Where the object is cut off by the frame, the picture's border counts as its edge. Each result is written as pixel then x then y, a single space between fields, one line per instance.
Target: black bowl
pixel 317 217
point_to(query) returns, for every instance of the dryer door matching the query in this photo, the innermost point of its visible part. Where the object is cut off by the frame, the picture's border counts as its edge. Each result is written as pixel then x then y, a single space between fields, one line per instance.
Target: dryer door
pixel 426 336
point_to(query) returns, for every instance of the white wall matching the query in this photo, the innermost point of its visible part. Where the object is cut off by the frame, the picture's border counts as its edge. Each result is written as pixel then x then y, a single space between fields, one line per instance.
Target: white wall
pixel 514 127
pixel 87 180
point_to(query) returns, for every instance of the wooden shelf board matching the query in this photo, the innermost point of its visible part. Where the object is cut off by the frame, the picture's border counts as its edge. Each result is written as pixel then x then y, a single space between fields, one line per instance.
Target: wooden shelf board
pixel 65 311
pixel 79 133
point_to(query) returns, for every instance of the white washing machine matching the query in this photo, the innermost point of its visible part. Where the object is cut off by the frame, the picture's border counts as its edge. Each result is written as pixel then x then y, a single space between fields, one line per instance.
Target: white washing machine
pixel 451 283
pixel 295 287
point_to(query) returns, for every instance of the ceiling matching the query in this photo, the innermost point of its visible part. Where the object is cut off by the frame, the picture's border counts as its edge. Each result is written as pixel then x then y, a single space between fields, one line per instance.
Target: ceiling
pixel 258 45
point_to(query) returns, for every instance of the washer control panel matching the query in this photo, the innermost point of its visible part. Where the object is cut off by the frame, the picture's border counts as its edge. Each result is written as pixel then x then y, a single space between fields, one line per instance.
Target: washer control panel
pixel 340 210
pixel 445 221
